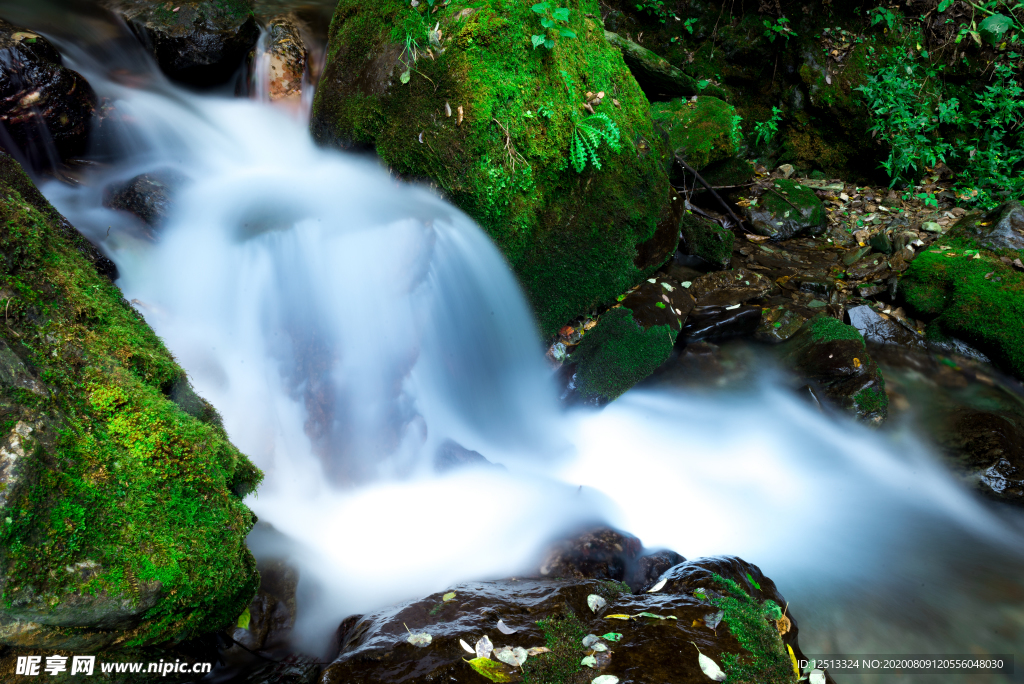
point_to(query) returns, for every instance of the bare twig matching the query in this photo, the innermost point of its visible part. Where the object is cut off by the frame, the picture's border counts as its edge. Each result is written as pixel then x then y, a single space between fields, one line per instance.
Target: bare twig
pixel 714 194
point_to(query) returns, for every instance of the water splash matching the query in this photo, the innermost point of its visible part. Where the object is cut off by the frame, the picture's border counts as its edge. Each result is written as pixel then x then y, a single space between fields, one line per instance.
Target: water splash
pixel 346 324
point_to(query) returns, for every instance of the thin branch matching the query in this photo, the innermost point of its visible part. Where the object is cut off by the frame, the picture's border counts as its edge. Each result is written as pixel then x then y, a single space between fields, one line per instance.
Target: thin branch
pixel 714 194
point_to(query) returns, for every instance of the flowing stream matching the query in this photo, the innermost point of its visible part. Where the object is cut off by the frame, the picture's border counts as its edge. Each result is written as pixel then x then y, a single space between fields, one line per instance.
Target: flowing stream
pixel 346 325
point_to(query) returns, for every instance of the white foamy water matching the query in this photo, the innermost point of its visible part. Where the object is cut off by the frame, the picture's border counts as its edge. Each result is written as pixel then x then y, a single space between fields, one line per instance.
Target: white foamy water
pixel 346 324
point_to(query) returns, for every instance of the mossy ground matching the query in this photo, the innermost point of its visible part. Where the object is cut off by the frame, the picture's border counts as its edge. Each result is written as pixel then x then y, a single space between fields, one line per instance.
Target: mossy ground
pixel 570 237
pixel 617 354
pixel 979 300
pixel 753 624
pixel 119 475
pixel 828 329
pixel 564 636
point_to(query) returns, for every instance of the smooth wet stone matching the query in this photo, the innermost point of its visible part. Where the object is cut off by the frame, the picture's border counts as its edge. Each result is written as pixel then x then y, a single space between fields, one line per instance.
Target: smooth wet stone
pixel 601 553
pixel 453 456
pixel 787 209
pixel 1007 229
pixel 854 255
pixel 555 614
pixel 726 288
pixel 720 322
pixel 778 324
pixel 147 196
pixel 662 302
pixel 990 446
pixel 881 242
pixel 201 42
pixel 45 108
pixel 833 359
pixel 870 265
pixel 882 329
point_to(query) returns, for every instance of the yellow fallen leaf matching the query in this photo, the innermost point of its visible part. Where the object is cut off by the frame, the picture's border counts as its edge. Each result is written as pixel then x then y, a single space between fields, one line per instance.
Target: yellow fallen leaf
pixel 448 597
pixel 617 616
pixel 856 362
pixel 491 669
pixel 243 619
pixel 792 659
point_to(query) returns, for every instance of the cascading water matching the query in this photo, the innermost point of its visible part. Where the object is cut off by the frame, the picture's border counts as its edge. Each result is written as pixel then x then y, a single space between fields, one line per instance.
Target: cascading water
pixel 346 325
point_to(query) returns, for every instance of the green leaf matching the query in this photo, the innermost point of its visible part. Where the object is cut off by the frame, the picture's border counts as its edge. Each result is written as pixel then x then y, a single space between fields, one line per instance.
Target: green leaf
pixel 537 41
pixel 561 14
pixel 993 28
pixel 612 636
pixel 404 78
pixel 753 582
pixel 547 23
pixel 540 7
pixel 566 33
pixel 659 617
pixel 549 43
pixel 945 5
pixel 243 619
pixel 491 669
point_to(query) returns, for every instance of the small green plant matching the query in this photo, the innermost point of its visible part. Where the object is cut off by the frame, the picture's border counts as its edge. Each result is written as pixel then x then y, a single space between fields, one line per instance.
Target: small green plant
pixel 555 23
pixel 655 8
pixel 587 136
pixel 928 199
pixel 883 15
pixel 688 25
pixel 736 130
pixel 765 130
pixel 774 28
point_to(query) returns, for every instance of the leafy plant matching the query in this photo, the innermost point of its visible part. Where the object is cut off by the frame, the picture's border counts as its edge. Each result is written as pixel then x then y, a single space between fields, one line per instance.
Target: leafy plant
pixel 765 130
pixel 656 8
pixel 555 23
pixel 883 15
pixel 587 136
pixel 773 28
pixel 736 130
pixel 688 25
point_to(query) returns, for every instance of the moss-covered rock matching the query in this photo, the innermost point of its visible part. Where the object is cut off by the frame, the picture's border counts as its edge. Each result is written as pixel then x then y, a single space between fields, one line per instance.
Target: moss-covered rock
pixel 706 239
pixel 474 108
pixel 630 341
pixel 702 131
pixel 659 80
pixel 121 519
pixel 787 209
pixel 833 358
pixel 970 292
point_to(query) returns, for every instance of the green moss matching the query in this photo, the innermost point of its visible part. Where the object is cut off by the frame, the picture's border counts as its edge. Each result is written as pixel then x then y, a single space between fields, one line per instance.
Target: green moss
pixel 121 478
pixel 707 239
pixel 564 636
pixel 702 132
pixel 827 329
pixel 617 354
pixel 570 237
pixel 753 624
pixel 871 400
pixel 952 292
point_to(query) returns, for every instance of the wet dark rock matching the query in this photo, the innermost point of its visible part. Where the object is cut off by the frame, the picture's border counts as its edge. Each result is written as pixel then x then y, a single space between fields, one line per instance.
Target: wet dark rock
pixel 555 614
pixel 882 242
pixel 882 329
pixel 452 456
pixel 726 288
pixel 872 265
pixel 720 322
pixel 660 301
pixel 148 196
pixel 199 42
pixel 990 447
pixel 787 209
pixel 655 250
pixel 707 239
pixel 602 553
pixel 45 108
pixel 832 357
pixel 1007 229
pixel 651 566
pixel 778 324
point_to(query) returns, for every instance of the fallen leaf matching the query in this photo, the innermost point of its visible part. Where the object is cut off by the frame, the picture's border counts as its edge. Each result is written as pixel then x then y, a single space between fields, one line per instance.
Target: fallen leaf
pixel 537 650
pixel 589 661
pixel 490 669
pixel 590 640
pixel 612 636
pixel 709 666
pixel 856 362
pixel 712 619
pixel 421 639
pixel 659 617
pixel 466 647
pixel 605 679
pixel 596 603
pixel 783 624
pixel 447 109
pixel 792 659
pixel 658 587
pixel 617 616
pixel 505 629
pixel 448 597
pixel 484 647
pixel 817 677
pixel 511 656
pixel 243 619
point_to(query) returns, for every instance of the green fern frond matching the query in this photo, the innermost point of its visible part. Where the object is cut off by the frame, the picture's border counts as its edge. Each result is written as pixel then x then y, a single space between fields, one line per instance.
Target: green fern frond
pixel 587 137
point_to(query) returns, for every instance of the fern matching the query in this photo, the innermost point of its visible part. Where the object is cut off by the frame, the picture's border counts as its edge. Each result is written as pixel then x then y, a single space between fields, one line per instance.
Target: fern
pixel 587 136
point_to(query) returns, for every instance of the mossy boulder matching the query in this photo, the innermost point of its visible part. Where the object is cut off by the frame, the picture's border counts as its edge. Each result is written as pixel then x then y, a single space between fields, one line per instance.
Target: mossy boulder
pixel 707 239
pixel 490 120
pixel 630 341
pixel 787 209
pixel 659 80
pixel 832 357
pixel 701 131
pixel 121 514
pixel 972 293
pixel 200 42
